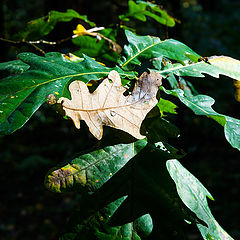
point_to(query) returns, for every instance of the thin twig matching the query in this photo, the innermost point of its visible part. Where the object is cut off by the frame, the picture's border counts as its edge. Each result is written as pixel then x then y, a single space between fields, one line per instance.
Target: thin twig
pixel 33 43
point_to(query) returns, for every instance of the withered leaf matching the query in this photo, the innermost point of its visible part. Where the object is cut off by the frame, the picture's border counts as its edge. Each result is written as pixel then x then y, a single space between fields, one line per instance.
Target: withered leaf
pixel 108 106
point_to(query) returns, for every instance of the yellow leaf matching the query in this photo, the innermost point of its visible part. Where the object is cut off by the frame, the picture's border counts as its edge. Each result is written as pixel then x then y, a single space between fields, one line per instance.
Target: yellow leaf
pixel 109 106
pixel 80 30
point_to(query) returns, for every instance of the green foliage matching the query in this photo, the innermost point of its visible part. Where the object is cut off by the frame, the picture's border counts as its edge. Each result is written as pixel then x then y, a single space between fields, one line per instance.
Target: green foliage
pixel 96 226
pixel 141 10
pixel 202 105
pixel 21 95
pixel 121 179
pixel 194 194
pixel 142 48
pixel 41 27
pixel 90 171
pixel 95 48
pixel 13 67
pixel 216 65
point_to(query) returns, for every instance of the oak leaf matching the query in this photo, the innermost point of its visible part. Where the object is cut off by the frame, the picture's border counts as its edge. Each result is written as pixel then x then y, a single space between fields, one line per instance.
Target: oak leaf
pixel 108 105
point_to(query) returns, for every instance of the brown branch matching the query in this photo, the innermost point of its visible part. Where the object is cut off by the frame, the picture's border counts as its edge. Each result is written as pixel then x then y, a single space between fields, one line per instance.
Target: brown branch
pixel 33 43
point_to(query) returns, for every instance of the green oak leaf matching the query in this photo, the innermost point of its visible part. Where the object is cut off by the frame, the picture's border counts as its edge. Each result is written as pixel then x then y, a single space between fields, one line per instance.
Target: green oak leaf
pixel 146 47
pixel 21 95
pixel 141 10
pixel 13 67
pixel 166 106
pixel 217 65
pixel 90 171
pixel 150 190
pixel 202 105
pixel 95 225
pixel 194 194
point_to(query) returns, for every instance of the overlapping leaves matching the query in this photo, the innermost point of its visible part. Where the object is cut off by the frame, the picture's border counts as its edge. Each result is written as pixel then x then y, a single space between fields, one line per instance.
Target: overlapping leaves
pixel 202 105
pixel 101 50
pixel 149 188
pixel 133 170
pixel 217 65
pixel 21 95
pixel 141 10
pixel 40 27
pixel 142 48
pixel 108 105
pixel 97 226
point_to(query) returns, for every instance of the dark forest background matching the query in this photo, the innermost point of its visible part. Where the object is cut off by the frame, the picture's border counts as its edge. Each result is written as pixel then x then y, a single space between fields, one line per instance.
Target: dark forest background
pixel 27 210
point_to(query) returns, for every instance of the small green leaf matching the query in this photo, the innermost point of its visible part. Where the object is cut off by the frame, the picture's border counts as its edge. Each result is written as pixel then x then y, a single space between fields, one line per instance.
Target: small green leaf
pixel 194 194
pixel 40 27
pixel 166 106
pixel 92 170
pixel 147 47
pixel 21 95
pixel 141 9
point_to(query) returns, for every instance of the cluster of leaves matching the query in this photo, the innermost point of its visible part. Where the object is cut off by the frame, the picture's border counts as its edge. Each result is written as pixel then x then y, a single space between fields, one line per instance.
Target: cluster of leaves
pixel 130 183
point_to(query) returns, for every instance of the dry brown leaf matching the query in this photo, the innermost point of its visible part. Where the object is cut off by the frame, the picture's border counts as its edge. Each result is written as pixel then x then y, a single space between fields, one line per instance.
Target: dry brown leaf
pixel 108 106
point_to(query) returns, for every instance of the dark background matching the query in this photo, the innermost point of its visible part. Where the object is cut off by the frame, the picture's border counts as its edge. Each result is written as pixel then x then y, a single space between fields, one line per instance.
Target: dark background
pixel 27 209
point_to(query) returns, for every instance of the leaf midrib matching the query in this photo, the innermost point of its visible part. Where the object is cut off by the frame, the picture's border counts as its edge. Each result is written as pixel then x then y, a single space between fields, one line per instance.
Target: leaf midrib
pixel 144 49
pixel 55 79
pixel 60 178
pixel 181 67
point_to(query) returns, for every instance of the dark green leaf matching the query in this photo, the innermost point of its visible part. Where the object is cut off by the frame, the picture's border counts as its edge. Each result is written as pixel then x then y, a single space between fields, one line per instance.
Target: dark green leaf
pixel 150 189
pixel 194 194
pixel 141 9
pixel 96 225
pixel 13 67
pixel 202 105
pixel 22 95
pixel 147 47
pixel 40 27
pixel 92 170
pixel 159 129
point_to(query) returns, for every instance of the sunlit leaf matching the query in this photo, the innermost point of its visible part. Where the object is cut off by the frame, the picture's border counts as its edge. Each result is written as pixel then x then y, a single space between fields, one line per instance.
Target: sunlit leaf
pixel 92 170
pixel 202 105
pixel 194 194
pixel 21 95
pixel 166 106
pixel 218 65
pixel 141 10
pixel 80 30
pixel 108 105
pixel 146 47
